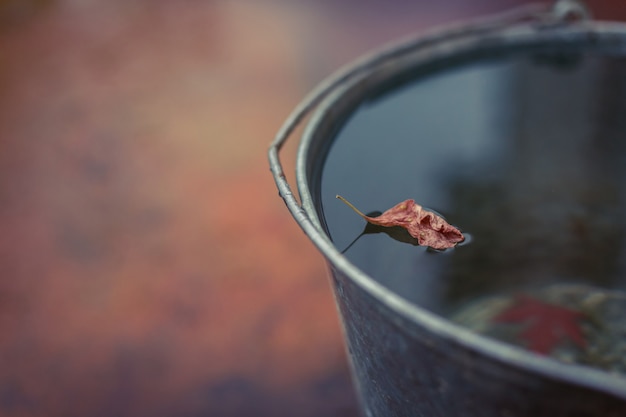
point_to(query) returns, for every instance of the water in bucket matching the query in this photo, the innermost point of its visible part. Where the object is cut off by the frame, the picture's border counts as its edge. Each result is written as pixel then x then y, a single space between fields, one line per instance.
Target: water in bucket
pixel 525 153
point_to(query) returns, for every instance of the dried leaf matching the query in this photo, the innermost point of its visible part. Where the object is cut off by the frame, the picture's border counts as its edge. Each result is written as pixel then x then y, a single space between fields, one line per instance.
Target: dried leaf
pixel 428 228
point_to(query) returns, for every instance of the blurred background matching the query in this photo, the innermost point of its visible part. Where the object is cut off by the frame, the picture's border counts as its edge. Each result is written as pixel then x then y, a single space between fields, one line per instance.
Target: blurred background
pixel 148 267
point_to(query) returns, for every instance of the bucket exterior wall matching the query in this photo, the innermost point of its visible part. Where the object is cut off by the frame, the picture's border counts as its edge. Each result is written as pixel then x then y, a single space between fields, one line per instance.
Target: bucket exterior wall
pixel 403 369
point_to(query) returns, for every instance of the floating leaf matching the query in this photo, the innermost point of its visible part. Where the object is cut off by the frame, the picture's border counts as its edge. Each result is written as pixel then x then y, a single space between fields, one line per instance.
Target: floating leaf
pixel 428 228
pixel 546 325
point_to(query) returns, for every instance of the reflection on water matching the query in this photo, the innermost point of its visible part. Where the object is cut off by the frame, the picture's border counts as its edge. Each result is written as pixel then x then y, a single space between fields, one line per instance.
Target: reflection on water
pixel 573 323
pixel 553 211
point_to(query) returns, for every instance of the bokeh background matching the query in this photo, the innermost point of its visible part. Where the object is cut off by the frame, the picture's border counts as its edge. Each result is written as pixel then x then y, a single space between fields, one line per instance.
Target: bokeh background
pixel 147 266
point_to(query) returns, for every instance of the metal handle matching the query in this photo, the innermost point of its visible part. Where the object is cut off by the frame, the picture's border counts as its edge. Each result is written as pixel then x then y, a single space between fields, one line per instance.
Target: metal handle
pixel 562 11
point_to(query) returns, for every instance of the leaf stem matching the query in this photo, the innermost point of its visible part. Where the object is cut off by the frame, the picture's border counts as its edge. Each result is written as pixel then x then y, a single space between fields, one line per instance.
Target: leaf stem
pixel 349 204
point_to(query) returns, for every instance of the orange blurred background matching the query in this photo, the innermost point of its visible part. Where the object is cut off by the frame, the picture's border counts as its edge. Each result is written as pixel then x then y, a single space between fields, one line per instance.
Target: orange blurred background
pixel 148 266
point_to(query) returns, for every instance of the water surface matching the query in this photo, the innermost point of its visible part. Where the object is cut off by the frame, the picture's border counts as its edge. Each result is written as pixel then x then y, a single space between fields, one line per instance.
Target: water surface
pixel 524 153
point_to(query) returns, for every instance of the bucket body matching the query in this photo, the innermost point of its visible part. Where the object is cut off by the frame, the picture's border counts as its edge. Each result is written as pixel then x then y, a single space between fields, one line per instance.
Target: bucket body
pixel 407 360
pixel 404 368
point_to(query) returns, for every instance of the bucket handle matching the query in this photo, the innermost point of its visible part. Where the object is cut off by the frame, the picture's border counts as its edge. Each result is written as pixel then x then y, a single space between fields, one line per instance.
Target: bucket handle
pixel 546 15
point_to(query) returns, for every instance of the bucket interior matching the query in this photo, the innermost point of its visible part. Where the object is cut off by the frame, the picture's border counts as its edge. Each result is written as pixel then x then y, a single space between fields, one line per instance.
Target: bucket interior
pixel 523 147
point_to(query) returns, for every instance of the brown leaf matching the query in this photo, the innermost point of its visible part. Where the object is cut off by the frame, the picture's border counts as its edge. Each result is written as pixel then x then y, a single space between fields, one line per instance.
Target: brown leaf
pixel 428 228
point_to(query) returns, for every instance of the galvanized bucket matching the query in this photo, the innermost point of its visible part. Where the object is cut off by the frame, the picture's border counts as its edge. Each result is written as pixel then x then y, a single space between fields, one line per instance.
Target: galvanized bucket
pixel 407 361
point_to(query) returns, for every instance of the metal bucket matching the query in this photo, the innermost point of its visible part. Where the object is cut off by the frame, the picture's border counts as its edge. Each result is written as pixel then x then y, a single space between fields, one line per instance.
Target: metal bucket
pixel 407 361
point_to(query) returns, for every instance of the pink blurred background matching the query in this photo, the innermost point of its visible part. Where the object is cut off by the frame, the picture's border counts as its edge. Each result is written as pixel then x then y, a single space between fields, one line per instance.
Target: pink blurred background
pixel 148 266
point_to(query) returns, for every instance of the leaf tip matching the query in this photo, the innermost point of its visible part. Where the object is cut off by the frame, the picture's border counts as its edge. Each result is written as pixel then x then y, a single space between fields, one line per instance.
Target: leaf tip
pixel 357 211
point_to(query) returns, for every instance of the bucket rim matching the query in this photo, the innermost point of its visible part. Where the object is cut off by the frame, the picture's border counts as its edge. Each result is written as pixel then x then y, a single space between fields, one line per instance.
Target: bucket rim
pixel 306 215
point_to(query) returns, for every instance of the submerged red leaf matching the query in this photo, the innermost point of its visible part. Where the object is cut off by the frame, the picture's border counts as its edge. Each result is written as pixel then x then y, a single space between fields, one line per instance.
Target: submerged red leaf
pixel 428 228
pixel 546 325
